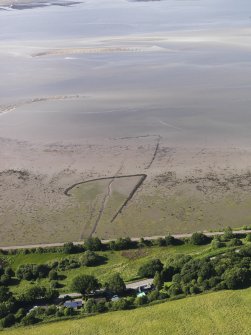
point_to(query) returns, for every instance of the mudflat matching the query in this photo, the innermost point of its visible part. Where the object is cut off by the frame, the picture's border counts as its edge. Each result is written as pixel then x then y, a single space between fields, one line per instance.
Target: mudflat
pixel 100 90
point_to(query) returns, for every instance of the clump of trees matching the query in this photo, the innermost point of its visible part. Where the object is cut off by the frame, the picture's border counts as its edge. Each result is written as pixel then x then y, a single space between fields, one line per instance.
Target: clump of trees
pixel 115 285
pixel 12 309
pixel 85 284
pixel 32 271
pixel 90 258
pixel 190 275
pixel 180 276
pixel 149 269
pixel 199 239
pixel 122 244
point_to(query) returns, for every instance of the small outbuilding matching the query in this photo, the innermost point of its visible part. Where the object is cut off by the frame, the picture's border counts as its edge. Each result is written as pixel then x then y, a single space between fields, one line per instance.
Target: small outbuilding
pixel 75 304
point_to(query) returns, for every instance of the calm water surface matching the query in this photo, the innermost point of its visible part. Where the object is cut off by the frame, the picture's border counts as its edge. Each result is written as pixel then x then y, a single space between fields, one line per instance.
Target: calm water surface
pixel 181 69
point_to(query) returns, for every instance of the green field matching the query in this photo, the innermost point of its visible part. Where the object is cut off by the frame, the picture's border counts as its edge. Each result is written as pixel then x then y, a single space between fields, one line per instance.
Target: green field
pixel 126 263
pixel 220 313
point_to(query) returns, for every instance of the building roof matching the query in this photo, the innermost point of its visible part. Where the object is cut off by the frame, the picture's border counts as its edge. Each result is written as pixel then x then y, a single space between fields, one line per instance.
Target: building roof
pixel 73 304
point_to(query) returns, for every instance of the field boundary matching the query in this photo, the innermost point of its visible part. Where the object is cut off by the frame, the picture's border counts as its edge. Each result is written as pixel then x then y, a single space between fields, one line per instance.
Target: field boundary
pixel 178 236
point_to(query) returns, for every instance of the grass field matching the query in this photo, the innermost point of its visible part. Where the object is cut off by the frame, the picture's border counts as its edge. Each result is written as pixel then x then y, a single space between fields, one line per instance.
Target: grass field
pixel 126 263
pixel 219 313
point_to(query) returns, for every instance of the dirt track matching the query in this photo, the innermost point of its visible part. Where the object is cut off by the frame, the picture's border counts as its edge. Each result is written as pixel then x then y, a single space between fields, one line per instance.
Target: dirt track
pixel 179 236
pixel 108 193
pixel 154 154
pixel 103 205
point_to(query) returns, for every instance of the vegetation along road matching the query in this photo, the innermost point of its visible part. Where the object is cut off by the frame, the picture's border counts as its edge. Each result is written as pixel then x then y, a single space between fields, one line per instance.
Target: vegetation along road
pixel 178 236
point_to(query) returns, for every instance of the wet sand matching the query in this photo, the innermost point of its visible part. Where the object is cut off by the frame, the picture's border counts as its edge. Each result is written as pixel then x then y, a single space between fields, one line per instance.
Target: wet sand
pixel 155 88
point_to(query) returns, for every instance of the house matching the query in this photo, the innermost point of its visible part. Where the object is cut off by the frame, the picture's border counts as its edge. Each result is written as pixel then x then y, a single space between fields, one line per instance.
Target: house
pixel 73 304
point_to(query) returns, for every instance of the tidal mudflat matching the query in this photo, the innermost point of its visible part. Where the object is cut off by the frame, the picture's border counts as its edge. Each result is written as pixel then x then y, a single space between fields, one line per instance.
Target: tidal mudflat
pixel 100 89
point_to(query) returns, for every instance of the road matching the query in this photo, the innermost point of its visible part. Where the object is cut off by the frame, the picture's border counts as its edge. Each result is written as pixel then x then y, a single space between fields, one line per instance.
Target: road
pixel 60 244
pixel 131 286
pixel 135 285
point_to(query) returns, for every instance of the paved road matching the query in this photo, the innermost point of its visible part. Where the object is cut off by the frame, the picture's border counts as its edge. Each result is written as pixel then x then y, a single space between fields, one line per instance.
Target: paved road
pixel 135 285
pixel 71 295
pixel 132 286
pixel 46 245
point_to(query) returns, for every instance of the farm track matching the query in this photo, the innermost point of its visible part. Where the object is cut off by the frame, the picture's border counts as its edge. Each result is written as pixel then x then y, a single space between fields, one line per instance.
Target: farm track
pixel 107 195
pixel 103 206
pixel 140 182
pixel 154 154
pixel 66 192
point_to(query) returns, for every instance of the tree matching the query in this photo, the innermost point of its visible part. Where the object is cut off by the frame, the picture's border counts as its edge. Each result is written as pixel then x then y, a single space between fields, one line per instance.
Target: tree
pixel 20 314
pixel 139 301
pixel 38 293
pixel 51 310
pixel 167 273
pixel 121 304
pixel 199 239
pixel 33 294
pixel 90 306
pixel 248 237
pixel 115 284
pixel 170 240
pixel 53 275
pixel 175 289
pixel 9 272
pixel 122 244
pixel 5 294
pixel 158 281
pixel 29 319
pixel 234 242
pixel 89 258
pixel 237 278
pixel 101 306
pixel 8 321
pixel 228 233
pixel 5 279
pixel 153 295
pixel 161 242
pixel 5 309
pixel 32 271
pixel 216 243
pixel 85 284
pixel 93 244
pixel 69 248
pixel 69 311
pixel 148 270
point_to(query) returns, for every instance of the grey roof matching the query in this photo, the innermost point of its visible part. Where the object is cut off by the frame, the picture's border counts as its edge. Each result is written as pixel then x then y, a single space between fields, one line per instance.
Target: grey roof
pixel 73 304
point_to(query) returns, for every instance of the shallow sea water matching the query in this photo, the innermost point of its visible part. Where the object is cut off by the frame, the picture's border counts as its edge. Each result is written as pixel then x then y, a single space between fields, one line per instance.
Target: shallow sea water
pixel 179 69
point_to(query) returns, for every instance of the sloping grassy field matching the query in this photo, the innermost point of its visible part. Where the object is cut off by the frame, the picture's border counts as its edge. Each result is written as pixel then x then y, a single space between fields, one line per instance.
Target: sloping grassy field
pixel 126 263
pixel 225 312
